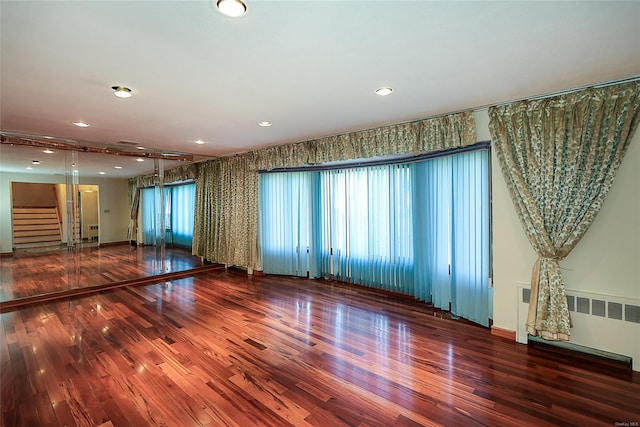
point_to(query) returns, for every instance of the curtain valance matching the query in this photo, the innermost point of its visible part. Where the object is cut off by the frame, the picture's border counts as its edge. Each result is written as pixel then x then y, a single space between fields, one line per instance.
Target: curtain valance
pixel 179 173
pixel 435 134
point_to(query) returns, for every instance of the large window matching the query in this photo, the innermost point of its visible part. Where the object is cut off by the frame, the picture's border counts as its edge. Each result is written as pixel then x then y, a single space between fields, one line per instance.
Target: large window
pixel 419 228
pixel 367 233
pixel 177 211
pixel 452 221
pixel 288 223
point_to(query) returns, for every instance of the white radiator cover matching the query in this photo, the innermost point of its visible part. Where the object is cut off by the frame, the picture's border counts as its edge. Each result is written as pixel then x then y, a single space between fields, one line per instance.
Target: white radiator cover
pixel 600 321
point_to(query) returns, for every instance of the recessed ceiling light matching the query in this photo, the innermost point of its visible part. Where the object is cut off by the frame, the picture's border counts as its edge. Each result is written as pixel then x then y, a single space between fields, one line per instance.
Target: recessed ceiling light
pixel 29 167
pixel 121 91
pixel 264 124
pixel 47 151
pixel 199 141
pixel 139 159
pixel 117 167
pixel 81 124
pixel 384 91
pixel 140 147
pixel 102 173
pixel 231 8
pixel 35 162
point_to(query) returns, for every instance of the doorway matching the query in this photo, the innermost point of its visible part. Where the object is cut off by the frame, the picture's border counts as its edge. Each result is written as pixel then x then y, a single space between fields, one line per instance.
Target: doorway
pixel 88 216
pixel 39 217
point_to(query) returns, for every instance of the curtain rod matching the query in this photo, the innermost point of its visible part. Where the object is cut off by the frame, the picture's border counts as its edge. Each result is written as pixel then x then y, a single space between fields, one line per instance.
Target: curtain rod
pixel 532 98
pixel 559 93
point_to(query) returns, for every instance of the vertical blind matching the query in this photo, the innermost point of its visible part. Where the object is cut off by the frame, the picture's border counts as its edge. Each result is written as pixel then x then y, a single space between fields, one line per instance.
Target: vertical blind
pixel 418 228
pixel 286 204
pixel 367 236
pixel 178 211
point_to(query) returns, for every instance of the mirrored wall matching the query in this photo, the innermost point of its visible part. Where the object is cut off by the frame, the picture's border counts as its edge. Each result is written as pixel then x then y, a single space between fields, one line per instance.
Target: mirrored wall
pixel 66 225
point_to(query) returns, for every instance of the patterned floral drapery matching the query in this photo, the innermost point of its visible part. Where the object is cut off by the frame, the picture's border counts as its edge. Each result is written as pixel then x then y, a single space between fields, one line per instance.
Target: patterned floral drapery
pixel 206 224
pixel 559 157
pixel 226 212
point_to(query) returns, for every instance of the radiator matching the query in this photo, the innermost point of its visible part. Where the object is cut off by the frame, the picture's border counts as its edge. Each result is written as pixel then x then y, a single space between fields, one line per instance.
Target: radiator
pixel 604 322
pixel 93 232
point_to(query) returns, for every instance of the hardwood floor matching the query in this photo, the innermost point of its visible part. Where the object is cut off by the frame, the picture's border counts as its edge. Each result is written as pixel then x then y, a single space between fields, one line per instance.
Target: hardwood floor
pixel 59 271
pixel 224 348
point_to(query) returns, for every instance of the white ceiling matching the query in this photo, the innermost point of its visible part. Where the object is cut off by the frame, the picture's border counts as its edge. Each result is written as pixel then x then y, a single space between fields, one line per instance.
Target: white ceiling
pixel 309 67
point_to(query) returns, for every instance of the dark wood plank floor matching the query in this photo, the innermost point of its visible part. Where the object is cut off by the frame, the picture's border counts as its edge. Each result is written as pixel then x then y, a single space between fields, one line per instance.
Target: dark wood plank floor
pixel 58 271
pixel 225 348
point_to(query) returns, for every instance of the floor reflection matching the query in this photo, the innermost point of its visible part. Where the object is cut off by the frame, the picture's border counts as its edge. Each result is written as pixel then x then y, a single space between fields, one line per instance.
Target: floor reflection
pixel 50 272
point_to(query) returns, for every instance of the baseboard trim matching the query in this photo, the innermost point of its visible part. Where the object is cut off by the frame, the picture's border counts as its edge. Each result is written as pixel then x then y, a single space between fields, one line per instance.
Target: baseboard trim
pixel 612 364
pixel 106 245
pixel 6 254
pixel 503 333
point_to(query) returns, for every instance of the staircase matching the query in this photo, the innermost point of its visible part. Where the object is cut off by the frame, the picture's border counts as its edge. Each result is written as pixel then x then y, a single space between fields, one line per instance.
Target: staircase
pixel 36 228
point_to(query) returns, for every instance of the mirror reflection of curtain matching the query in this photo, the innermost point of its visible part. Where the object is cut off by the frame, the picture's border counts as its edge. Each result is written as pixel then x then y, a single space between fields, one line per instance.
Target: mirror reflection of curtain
pixel 134 206
pixel 182 203
pixel 178 211
pixel 148 216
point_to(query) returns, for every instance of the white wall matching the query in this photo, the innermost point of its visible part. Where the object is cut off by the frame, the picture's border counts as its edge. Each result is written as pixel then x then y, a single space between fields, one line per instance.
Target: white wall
pixel 113 205
pixel 605 261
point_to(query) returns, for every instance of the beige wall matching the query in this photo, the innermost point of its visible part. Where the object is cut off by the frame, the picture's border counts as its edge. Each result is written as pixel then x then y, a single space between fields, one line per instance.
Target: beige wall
pixel 114 209
pixel 113 205
pixel 33 194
